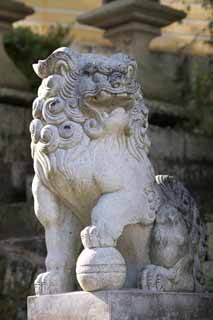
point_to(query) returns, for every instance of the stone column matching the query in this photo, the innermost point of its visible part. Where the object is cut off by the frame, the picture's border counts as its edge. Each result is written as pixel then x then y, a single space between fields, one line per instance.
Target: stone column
pixel 10 77
pixel 131 25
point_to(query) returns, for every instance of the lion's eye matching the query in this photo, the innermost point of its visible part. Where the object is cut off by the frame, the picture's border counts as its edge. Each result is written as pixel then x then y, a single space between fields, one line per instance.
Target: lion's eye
pixel 116 75
pixel 86 73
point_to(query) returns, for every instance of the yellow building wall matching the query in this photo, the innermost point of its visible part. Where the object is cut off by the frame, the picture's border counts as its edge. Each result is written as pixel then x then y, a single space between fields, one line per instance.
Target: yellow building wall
pixel 197 20
pixel 51 12
pixel 191 35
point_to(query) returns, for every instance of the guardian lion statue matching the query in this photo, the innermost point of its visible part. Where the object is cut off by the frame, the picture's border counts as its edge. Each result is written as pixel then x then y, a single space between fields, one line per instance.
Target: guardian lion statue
pixel 94 184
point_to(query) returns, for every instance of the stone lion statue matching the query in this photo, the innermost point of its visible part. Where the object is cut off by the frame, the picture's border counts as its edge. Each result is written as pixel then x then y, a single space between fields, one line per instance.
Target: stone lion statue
pixel 95 185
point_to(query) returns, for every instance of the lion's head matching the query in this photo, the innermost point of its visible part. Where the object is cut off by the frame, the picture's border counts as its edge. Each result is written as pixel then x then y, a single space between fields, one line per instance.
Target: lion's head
pixel 88 94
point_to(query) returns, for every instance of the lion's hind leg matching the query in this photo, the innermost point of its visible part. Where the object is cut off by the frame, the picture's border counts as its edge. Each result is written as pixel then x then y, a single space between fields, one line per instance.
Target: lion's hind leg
pixel 62 240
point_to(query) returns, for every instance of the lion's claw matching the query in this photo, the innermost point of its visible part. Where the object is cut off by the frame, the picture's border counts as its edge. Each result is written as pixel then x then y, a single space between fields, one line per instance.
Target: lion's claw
pixel 156 278
pixel 53 282
pixel 92 237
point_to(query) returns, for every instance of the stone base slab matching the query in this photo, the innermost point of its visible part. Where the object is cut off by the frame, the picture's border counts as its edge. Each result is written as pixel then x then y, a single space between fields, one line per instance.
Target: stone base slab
pixel 121 305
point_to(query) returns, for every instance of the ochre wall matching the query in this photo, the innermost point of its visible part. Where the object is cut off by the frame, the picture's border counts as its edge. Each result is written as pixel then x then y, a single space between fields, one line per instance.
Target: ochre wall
pixel 193 32
pixel 49 12
pixel 196 22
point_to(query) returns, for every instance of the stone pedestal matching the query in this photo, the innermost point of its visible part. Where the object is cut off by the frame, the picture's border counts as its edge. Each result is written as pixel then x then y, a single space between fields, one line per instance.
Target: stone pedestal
pixel 121 305
pixel 10 12
pixel 131 25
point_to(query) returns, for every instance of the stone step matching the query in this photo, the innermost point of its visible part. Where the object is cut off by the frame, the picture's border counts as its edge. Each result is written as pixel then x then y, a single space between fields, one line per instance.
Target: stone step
pixel 121 304
pixel 18 220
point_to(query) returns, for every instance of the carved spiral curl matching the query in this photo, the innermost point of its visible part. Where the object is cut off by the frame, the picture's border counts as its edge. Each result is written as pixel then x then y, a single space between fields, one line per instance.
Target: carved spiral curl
pixel 71 109
pixel 35 129
pixel 51 86
pixel 70 134
pixel 37 108
pixel 49 139
pixel 92 128
pixel 53 111
pixel 56 62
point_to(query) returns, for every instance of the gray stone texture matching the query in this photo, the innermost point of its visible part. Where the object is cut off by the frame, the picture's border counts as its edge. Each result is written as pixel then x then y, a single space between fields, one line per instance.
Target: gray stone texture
pixel 131 25
pixel 169 92
pixel 15 158
pixel 125 305
pixel 22 247
pixel 208 265
pixel 102 119
pixel 20 261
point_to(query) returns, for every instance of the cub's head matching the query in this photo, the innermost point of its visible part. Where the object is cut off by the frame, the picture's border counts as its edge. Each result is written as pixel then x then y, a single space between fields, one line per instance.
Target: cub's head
pixel 88 94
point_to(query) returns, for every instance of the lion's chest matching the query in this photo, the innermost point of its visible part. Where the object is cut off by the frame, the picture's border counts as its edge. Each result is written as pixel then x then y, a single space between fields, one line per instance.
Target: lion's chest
pixel 71 177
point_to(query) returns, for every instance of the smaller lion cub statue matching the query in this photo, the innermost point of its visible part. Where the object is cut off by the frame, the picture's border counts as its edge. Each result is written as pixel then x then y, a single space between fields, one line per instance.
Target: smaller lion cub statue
pixel 95 186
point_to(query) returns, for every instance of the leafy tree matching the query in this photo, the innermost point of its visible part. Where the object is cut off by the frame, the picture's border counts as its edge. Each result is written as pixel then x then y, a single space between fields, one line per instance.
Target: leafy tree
pixel 26 47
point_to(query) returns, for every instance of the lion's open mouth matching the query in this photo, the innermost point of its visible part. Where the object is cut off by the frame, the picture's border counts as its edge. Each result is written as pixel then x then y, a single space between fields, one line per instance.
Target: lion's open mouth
pixel 109 100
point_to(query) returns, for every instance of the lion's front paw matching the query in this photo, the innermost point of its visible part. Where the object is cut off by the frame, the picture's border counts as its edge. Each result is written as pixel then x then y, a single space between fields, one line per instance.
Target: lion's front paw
pixel 92 237
pixel 54 282
pixel 156 278
pixel 89 237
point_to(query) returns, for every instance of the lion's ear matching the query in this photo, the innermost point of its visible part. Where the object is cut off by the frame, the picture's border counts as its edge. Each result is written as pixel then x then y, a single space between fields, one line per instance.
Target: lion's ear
pixel 61 61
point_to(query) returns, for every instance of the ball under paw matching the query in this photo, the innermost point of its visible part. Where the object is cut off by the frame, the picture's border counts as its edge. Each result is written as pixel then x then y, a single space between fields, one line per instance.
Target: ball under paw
pixel 101 269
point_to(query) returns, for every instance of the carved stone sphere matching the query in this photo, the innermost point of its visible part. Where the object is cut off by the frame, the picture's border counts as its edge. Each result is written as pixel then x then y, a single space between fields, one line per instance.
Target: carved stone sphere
pixel 101 269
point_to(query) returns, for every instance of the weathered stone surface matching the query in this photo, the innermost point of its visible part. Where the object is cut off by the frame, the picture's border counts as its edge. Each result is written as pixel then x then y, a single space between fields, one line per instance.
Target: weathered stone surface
pixel 28 185
pixel 176 152
pixel 6 193
pixel 90 146
pixel 148 13
pixel 208 271
pixel 15 158
pixel 210 228
pixel 100 268
pixel 173 144
pixel 208 268
pixel 210 247
pixel 197 148
pixel 20 261
pixel 131 25
pixel 167 144
pixel 19 171
pixel 15 119
pixel 121 305
pixel 18 220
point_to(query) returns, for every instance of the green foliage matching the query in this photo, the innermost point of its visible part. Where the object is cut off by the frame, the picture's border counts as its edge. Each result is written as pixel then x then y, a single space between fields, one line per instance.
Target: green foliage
pixel 203 95
pixel 26 47
pixel 209 217
pixel 209 283
pixel 207 4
